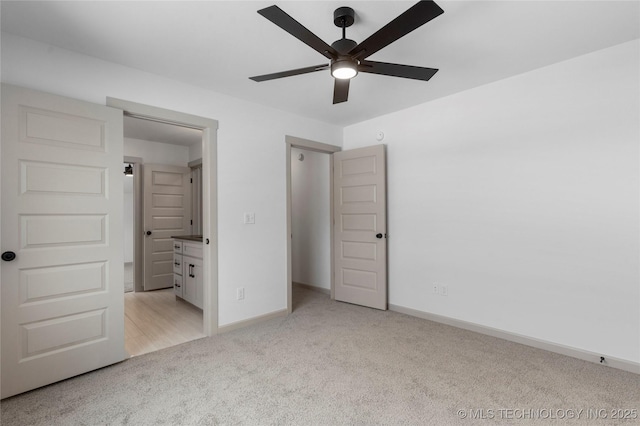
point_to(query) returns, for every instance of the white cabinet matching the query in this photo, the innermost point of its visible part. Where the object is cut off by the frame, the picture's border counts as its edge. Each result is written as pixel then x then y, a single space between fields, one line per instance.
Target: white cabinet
pixel 187 271
pixel 192 281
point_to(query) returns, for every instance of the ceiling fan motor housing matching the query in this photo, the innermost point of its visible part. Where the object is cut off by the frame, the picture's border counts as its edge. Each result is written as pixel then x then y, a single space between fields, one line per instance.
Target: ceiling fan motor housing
pixel 344 45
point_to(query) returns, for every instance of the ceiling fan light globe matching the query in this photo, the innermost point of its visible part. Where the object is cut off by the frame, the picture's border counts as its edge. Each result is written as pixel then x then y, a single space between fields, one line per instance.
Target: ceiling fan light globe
pixel 344 70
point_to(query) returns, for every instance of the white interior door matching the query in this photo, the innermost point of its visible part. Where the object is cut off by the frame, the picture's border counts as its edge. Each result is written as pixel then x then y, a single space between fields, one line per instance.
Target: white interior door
pixel 360 228
pixel 167 213
pixel 62 296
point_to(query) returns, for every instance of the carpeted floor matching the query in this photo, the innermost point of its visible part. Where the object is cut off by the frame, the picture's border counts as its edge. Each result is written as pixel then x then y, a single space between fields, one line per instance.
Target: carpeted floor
pixel 332 363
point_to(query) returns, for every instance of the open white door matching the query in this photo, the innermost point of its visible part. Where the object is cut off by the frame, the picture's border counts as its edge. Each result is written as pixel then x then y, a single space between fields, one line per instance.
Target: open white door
pixel 360 228
pixel 62 295
pixel 167 212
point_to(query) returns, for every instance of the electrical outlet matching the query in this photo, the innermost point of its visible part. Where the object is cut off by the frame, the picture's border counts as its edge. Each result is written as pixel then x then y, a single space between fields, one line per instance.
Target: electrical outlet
pixel 444 290
pixel 249 218
pixel 240 293
pixel 435 288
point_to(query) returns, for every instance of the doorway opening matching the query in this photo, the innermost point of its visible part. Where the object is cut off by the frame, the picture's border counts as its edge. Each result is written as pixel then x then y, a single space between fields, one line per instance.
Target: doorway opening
pixel 200 163
pixel 128 220
pixel 155 151
pixel 309 216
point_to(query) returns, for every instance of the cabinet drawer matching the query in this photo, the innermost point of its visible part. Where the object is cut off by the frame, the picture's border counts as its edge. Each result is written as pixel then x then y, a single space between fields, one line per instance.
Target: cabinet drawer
pixel 177 264
pixel 177 246
pixel 177 285
pixel 192 249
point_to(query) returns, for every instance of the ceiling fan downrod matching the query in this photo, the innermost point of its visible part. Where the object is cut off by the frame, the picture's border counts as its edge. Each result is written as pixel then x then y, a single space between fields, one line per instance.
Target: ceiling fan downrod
pixel 343 17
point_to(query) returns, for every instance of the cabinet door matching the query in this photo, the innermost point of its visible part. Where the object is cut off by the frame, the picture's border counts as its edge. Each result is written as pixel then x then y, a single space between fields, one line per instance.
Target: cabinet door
pixel 192 281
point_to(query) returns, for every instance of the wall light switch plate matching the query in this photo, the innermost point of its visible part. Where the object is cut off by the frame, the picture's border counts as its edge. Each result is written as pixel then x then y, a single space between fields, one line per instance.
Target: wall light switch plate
pixel 249 218
pixel 444 290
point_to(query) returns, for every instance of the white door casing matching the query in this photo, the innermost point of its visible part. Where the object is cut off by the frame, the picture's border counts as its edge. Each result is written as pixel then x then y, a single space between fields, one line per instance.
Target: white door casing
pixel 209 195
pixel 360 228
pixel 62 297
pixel 167 212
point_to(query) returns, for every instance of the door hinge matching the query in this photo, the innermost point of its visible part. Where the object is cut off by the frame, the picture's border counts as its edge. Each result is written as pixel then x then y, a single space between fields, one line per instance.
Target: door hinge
pixel 191 180
pixel 191 221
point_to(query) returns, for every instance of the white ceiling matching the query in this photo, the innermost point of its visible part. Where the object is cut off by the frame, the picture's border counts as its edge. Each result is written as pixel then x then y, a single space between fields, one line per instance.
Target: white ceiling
pixel 154 131
pixel 219 44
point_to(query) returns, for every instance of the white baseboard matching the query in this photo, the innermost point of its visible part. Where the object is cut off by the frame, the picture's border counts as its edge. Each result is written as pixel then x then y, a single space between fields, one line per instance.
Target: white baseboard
pixel 313 287
pixel 621 364
pixel 252 321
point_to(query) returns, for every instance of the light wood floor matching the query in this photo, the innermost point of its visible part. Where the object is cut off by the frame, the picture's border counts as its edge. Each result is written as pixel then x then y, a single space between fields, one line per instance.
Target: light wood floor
pixel 157 319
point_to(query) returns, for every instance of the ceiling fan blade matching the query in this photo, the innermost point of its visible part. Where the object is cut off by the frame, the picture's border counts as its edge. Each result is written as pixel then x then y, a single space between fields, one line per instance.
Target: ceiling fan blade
pixel 290 73
pixel 414 17
pixel 296 29
pixel 341 90
pixel 397 70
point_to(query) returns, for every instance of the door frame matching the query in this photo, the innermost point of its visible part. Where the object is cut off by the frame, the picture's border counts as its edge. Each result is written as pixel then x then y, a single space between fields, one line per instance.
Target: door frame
pixel 209 129
pixel 309 145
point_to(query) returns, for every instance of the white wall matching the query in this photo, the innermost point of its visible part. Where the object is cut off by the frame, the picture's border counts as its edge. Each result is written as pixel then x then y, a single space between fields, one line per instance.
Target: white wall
pixel 310 219
pixel 522 196
pixel 195 152
pixel 251 159
pixel 156 152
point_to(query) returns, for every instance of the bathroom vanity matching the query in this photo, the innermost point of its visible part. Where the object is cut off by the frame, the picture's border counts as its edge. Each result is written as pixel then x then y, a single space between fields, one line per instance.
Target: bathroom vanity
pixel 187 268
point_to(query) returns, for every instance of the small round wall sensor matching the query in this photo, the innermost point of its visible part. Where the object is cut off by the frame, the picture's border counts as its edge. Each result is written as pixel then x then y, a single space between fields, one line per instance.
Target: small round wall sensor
pixel 301 157
pixel 379 136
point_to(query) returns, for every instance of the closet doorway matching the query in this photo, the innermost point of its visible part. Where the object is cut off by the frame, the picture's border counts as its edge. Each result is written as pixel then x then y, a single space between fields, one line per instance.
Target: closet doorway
pixel 309 216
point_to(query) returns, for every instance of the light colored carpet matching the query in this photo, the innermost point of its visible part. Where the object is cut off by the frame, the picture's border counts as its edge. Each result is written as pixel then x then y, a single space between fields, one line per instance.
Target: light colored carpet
pixel 330 363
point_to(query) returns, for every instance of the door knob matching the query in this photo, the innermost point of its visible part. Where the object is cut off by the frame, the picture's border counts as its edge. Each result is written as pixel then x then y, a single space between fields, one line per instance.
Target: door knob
pixel 8 256
pixel 148 232
pixel 378 236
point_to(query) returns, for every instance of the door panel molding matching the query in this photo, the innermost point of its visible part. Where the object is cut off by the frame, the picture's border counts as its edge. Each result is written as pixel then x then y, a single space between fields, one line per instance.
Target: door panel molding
pixel 164 220
pixel 361 227
pixel 62 296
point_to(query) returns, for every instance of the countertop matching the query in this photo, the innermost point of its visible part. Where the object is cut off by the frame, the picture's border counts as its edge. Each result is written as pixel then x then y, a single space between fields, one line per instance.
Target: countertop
pixel 197 238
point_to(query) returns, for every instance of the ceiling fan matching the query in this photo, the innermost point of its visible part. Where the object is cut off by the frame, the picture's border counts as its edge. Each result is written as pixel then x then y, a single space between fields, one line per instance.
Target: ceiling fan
pixel 348 58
